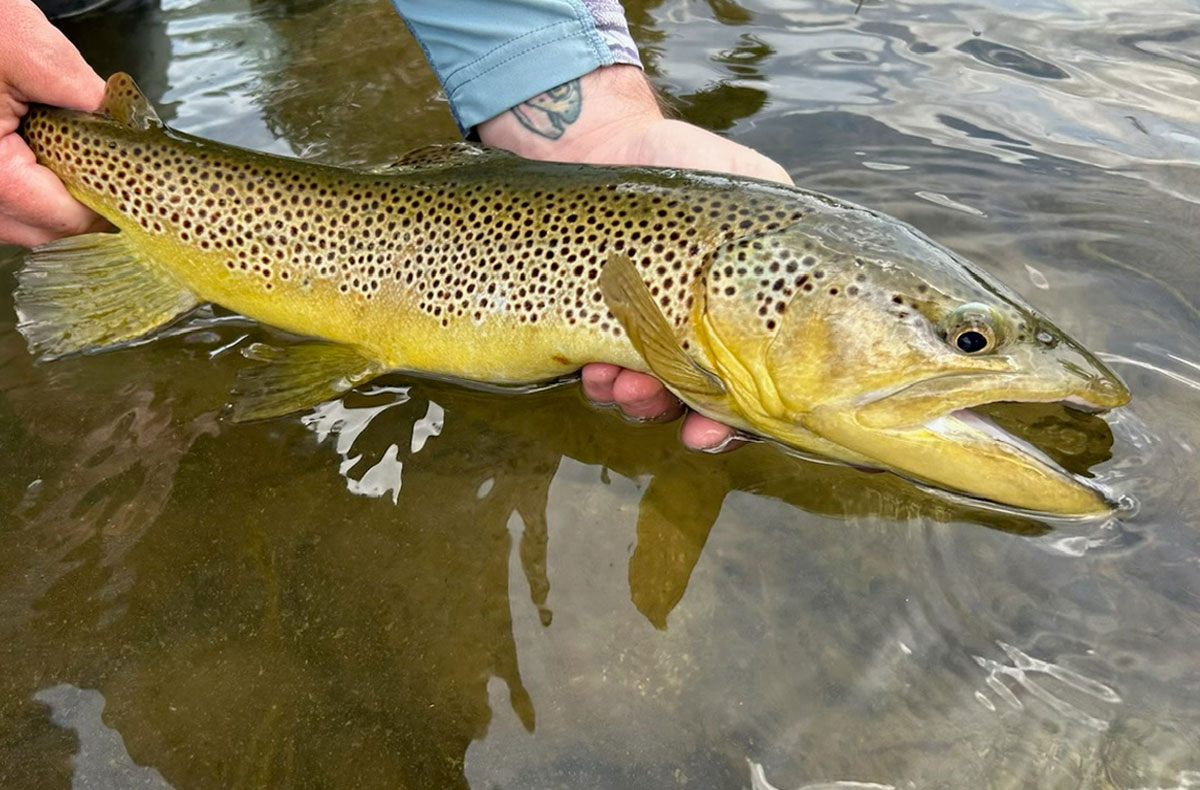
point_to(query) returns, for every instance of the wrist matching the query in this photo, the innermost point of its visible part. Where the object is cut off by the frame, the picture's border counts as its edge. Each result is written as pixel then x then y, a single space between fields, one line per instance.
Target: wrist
pixel 574 120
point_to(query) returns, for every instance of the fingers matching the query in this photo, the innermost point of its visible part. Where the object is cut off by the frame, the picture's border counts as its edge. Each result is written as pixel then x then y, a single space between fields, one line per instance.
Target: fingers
pixel 701 433
pixel 39 64
pixel 644 397
pixel 597 379
pixel 34 205
pixel 638 395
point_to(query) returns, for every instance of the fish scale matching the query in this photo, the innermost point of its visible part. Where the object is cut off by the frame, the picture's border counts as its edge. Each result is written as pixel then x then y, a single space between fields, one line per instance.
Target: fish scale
pixel 820 325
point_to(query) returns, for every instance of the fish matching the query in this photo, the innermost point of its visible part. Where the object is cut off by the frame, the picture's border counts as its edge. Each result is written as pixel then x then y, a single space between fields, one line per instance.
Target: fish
pixel 827 328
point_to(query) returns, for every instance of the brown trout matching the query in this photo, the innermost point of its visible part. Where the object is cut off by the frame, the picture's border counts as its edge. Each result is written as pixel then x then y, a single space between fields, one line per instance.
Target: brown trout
pixel 820 325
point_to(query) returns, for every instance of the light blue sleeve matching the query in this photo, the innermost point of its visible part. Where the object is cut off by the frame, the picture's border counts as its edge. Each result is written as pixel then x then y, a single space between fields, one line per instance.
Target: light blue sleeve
pixel 491 55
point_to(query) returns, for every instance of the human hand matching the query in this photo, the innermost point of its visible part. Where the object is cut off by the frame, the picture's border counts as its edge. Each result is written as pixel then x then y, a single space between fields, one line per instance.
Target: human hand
pixel 616 120
pixel 38 64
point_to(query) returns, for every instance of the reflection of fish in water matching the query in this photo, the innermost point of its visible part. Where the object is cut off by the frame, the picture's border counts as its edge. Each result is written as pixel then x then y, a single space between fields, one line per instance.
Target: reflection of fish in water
pixel 788 314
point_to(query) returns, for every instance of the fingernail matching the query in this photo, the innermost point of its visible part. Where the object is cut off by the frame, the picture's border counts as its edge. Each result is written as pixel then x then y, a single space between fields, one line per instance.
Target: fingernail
pixel 732 440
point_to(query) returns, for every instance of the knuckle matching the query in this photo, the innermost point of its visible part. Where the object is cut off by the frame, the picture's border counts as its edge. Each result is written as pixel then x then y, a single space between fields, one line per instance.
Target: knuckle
pixel 69 224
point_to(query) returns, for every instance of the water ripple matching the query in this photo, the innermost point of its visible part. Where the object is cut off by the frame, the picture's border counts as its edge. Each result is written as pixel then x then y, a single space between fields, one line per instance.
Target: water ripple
pixel 1023 667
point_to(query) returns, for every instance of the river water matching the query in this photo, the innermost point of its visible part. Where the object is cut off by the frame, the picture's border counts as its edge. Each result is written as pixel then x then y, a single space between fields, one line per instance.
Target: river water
pixel 430 587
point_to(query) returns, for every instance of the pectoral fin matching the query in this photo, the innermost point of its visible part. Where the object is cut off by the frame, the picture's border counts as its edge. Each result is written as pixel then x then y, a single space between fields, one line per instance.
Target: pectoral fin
pixel 297 377
pixel 91 291
pixel 630 301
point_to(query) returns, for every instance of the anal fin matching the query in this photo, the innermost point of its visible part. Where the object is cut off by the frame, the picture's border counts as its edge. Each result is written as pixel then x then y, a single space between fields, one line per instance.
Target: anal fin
pixel 297 377
pixel 91 291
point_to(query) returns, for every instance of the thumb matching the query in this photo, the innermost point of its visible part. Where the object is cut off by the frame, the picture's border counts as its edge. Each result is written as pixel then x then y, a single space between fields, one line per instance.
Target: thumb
pixel 40 64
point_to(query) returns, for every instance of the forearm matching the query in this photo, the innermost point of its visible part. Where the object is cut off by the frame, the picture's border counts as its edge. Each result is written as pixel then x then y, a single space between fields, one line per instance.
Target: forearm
pixel 611 116
pixel 490 55
pixel 573 121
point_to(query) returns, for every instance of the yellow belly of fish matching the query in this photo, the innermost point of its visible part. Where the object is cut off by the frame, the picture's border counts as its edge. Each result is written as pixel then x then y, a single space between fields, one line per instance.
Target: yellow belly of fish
pixel 388 328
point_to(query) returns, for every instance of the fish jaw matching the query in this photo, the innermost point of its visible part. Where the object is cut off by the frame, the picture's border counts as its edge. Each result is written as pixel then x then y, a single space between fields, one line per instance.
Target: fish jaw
pixel 930 432
pixel 964 452
pixel 956 450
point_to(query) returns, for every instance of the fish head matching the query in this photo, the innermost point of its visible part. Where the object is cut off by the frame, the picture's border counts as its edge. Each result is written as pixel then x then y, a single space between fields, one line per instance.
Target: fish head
pixel 854 336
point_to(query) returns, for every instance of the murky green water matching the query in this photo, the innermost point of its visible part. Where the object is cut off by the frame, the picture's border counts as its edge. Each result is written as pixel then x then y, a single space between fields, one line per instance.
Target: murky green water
pixel 428 587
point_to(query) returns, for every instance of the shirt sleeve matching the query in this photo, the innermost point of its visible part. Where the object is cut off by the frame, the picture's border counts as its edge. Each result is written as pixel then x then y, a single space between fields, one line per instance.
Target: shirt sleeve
pixel 490 55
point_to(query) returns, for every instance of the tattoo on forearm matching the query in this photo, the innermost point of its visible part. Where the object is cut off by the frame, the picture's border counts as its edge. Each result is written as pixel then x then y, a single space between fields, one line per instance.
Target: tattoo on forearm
pixel 549 113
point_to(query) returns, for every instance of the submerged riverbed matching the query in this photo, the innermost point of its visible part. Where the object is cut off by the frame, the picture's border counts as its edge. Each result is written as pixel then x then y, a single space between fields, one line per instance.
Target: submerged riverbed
pixel 427 586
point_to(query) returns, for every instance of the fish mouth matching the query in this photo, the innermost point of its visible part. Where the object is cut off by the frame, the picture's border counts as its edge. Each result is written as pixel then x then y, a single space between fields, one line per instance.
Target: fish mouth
pixel 1072 434
pixel 988 440
pixel 1042 453
pixel 937 396
pixel 1067 436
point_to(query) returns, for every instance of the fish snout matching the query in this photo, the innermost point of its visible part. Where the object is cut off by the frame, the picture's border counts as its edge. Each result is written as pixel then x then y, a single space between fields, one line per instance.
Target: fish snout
pixel 1100 391
pixel 1093 386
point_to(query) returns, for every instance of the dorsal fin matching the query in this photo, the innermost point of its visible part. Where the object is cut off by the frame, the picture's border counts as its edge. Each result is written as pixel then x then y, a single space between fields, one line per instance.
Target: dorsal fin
pixel 445 155
pixel 125 103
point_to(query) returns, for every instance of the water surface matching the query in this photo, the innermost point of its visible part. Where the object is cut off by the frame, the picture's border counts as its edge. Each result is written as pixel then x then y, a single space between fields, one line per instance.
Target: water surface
pixel 426 586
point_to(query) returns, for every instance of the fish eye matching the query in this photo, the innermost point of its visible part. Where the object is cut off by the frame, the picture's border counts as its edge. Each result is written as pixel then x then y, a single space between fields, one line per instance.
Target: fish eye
pixel 971 329
pixel 971 341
